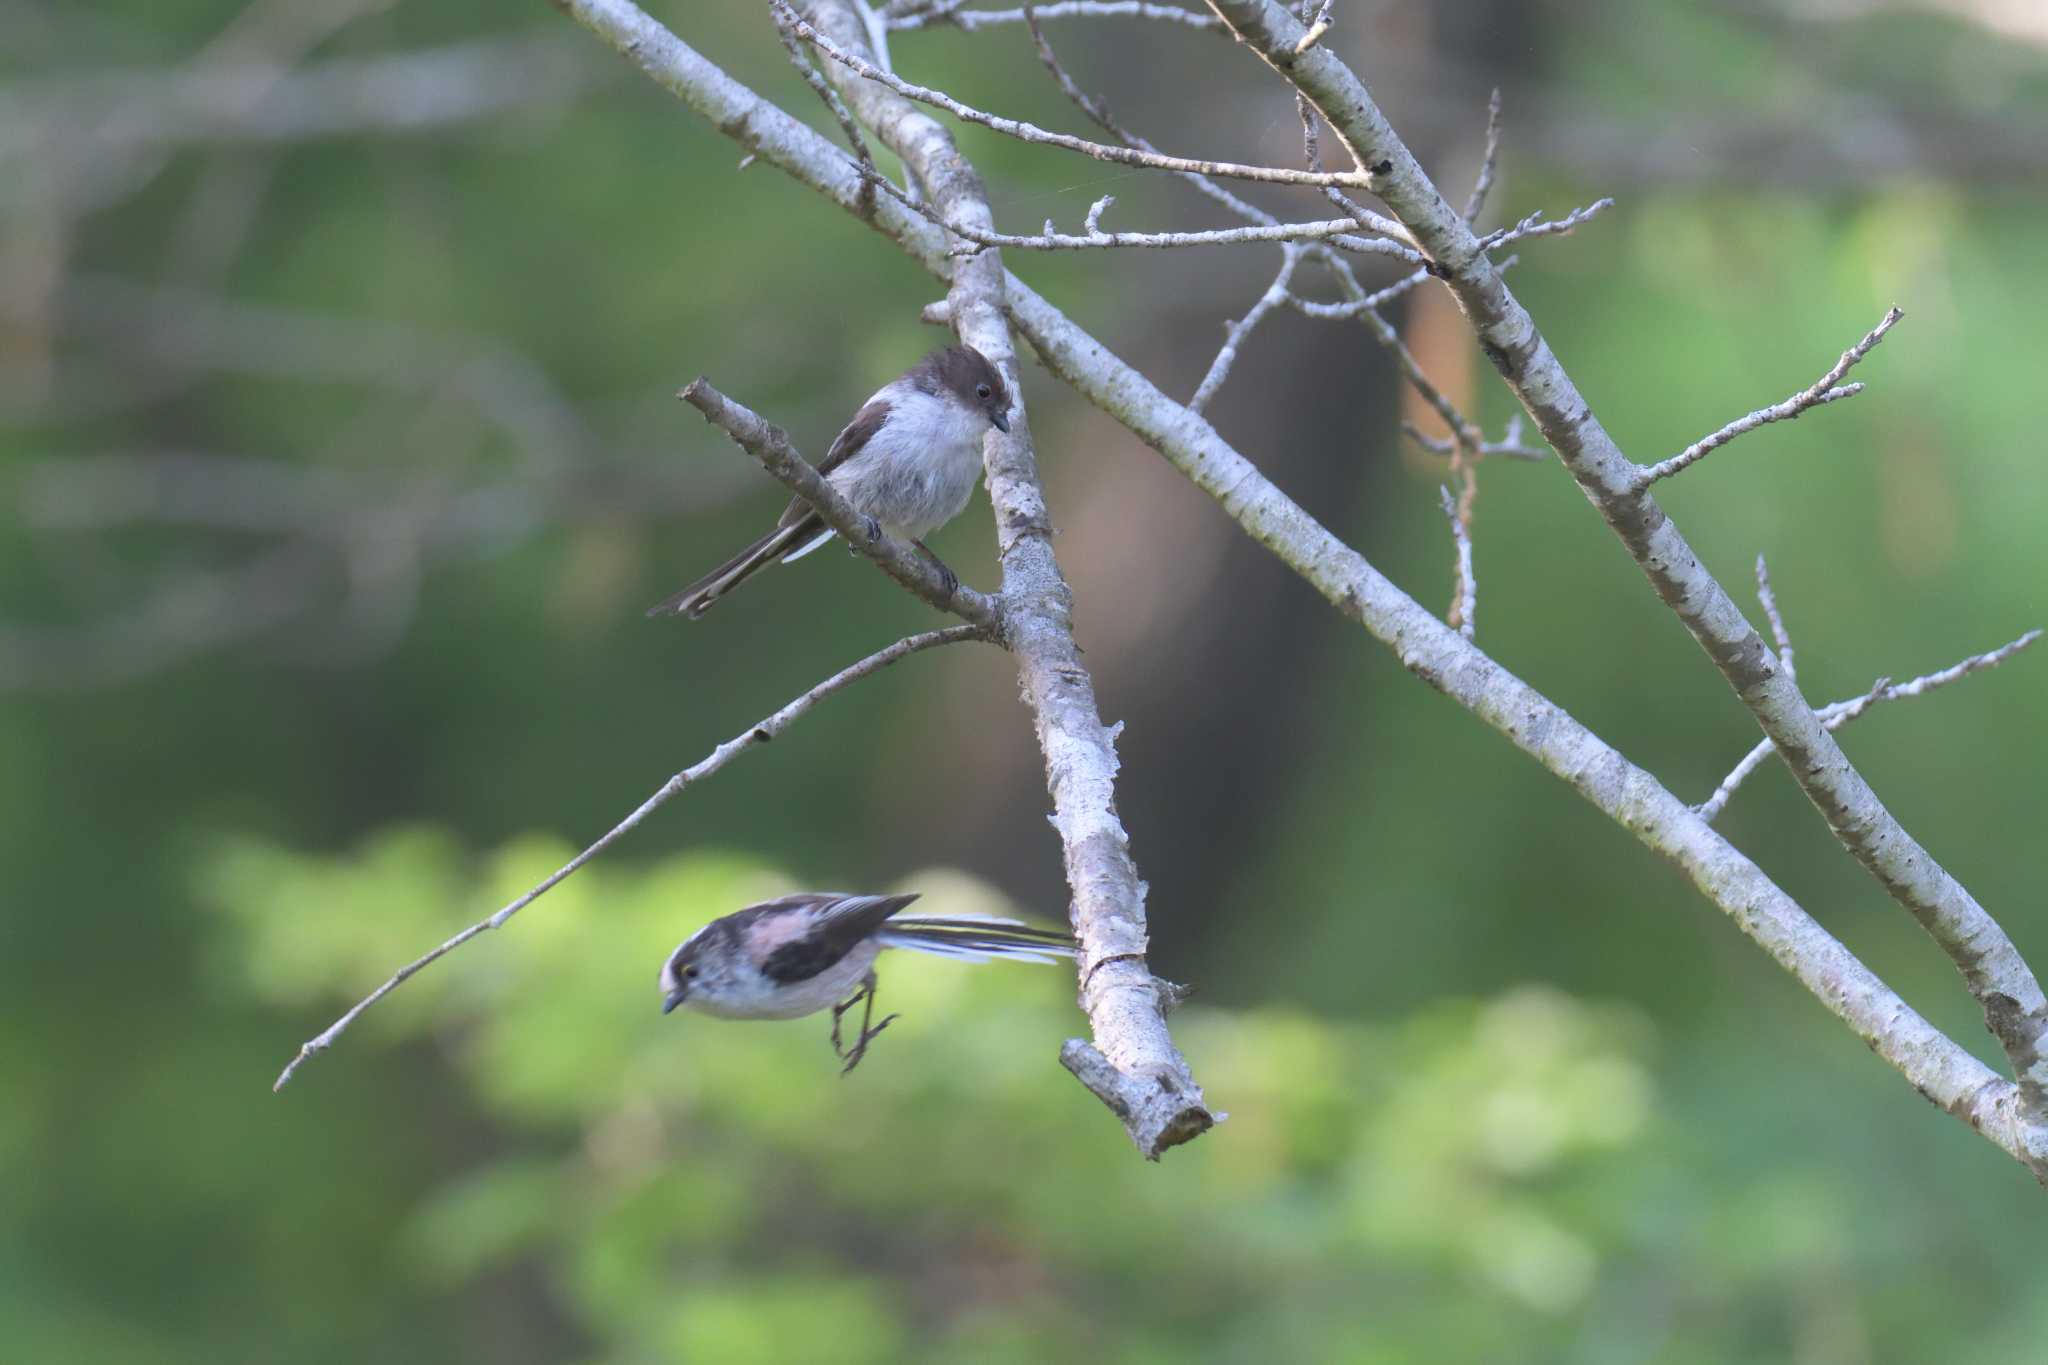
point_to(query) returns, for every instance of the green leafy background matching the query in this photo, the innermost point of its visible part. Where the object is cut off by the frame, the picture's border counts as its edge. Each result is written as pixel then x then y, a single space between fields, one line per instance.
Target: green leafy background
pixel 1501 1087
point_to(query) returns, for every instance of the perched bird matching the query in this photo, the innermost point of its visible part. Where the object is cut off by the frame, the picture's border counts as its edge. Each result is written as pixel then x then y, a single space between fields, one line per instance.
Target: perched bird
pixel 783 959
pixel 907 462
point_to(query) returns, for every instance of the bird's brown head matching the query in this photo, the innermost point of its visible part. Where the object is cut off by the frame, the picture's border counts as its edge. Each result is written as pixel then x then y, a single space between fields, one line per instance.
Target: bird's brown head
pixel 963 373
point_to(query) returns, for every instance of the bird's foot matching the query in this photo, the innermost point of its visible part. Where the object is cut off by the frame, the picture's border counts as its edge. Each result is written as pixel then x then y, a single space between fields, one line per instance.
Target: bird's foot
pixel 839 1013
pixel 874 530
pixel 864 996
pixel 947 578
pixel 860 1044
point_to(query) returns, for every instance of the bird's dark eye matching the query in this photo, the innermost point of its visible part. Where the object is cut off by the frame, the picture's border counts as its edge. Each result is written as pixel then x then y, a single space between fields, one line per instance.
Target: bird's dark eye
pixel 982 390
pixel 690 972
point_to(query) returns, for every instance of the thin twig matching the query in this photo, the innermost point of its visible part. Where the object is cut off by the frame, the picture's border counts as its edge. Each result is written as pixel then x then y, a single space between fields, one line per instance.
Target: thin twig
pixel 972 19
pixel 1275 295
pixel 1465 600
pixel 926 11
pixel 1476 200
pixel 1339 232
pixel 799 59
pixel 1358 213
pixel 1028 132
pixel 1098 112
pixel 1769 600
pixel 1837 714
pixel 1352 307
pixel 1463 431
pixel 1510 446
pixel 1824 390
pixel 1316 30
pixel 1534 226
pixel 760 733
pixel 771 445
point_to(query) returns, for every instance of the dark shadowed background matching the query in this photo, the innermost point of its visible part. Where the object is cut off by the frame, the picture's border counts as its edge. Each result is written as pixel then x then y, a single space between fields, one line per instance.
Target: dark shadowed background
pixel 338 462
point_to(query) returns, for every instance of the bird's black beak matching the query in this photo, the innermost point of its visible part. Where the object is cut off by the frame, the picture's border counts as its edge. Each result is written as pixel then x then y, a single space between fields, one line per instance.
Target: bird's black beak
pixel 676 998
pixel 1002 421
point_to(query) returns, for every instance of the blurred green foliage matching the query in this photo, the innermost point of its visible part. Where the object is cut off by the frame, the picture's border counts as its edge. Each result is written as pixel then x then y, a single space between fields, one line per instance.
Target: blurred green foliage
pixel 1501 1087
pixel 713 1190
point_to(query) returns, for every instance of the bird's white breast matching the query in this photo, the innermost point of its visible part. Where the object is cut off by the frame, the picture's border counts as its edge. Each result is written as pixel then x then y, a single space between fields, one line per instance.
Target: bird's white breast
pixel 750 995
pixel 917 472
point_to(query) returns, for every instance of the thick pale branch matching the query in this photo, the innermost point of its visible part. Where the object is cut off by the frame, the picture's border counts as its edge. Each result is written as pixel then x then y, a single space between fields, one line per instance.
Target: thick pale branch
pixel 760 733
pixel 1145 1081
pixel 1837 714
pixel 263 102
pixel 2015 1010
pixel 770 445
pixel 1939 1069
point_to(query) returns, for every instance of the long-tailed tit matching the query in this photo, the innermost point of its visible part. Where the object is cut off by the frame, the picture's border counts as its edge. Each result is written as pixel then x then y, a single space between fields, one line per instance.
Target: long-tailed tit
pixel 787 958
pixel 907 462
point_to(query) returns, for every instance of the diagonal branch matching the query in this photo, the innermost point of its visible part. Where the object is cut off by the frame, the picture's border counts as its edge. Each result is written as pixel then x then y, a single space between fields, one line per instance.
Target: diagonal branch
pixel 770 445
pixel 1133 1065
pixel 1465 606
pixel 1938 1069
pixel 1768 600
pixel 1826 389
pixel 1234 337
pixel 843 54
pixel 2015 1009
pixel 1839 713
pixel 762 732
pixel 949 12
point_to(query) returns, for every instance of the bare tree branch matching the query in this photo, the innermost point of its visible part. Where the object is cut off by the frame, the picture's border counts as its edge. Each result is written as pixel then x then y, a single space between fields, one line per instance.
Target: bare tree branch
pixel 1488 162
pixel 801 60
pixel 771 446
pixel 769 728
pixel 1145 1081
pixel 264 101
pixel 1826 389
pixel 1534 226
pixel 1027 132
pixel 1465 605
pixel 1837 714
pixel 2014 1006
pixel 1275 295
pixel 1939 1069
pixel 1339 232
pixel 1510 445
pixel 1769 601
pixel 950 12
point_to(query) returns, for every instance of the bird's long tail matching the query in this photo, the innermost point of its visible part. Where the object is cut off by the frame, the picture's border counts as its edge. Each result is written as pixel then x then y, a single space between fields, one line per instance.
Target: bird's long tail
pixel 977 940
pixel 696 599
